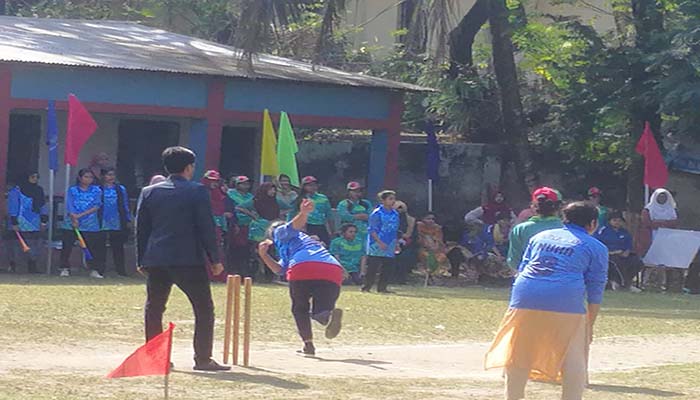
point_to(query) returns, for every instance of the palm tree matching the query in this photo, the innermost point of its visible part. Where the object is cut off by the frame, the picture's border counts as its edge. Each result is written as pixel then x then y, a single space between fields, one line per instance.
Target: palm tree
pixel 261 19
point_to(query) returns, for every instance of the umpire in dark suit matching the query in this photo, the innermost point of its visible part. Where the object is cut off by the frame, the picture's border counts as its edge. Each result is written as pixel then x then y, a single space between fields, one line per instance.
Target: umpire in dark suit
pixel 175 232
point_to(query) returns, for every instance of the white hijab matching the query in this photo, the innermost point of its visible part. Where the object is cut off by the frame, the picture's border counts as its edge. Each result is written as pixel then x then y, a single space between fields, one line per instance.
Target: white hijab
pixel 662 212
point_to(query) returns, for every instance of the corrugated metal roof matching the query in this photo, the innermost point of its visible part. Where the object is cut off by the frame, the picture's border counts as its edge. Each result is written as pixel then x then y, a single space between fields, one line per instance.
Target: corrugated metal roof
pixel 131 46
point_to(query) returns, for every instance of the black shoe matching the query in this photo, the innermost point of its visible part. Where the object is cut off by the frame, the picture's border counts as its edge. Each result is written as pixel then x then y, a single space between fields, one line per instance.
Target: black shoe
pixel 335 324
pixel 308 350
pixel 365 290
pixel 210 365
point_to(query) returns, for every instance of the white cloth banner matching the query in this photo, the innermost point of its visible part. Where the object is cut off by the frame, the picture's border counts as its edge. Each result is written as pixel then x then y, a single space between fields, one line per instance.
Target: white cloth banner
pixel 674 248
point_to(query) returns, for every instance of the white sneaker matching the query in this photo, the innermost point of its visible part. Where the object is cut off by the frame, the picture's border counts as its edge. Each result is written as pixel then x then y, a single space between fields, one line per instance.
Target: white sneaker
pixel 65 273
pixel 96 275
pixel 614 286
pixel 634 289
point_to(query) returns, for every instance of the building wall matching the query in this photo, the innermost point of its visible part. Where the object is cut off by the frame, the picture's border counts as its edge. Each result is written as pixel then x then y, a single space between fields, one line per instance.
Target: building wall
pixel 377 20
pixel 465 171
pixel 105 139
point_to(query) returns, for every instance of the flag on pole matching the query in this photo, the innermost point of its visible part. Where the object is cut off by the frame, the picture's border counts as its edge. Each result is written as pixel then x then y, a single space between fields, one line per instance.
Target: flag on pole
pixel 655 170
pixel 287 150
pixel 80 127
pixel 52 136
pixel 433 153
pixel 153 358
pixel 268 159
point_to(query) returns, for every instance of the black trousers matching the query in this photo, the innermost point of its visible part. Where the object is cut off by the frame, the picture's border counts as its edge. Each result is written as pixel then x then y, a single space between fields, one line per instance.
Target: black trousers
pixel 381 265
pixel 312 300
pixel 94 242
pixel 319 230
pixel 116 239
pixel 627 269
pixel 194 282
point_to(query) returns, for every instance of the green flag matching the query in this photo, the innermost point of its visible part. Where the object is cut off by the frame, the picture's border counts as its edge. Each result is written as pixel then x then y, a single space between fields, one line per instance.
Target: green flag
pixel 287 150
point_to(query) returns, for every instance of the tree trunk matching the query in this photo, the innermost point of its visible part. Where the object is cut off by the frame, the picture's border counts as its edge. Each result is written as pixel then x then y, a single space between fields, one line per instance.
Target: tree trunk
pixel 648 21
pixel 462 37
pixel 514 125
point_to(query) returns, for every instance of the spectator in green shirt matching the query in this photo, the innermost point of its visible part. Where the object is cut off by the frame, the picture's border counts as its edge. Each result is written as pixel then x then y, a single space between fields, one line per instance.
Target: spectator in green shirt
pixel 594 196
pixel 349 249
pixel 318 223
pixel 355 210
pixel 546 202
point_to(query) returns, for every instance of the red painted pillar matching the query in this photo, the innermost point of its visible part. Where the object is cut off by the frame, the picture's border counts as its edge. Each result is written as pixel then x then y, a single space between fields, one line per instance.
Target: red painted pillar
pixel 391 175
pixel 5 82
pixel 215 123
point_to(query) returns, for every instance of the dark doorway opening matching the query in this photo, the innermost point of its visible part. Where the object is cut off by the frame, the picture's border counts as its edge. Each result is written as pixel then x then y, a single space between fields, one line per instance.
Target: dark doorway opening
pixel 23 149
pixel 238 151
pixel 140 146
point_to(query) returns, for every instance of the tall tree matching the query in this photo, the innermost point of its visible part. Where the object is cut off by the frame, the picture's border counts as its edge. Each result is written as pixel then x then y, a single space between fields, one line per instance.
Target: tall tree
pixel 514 124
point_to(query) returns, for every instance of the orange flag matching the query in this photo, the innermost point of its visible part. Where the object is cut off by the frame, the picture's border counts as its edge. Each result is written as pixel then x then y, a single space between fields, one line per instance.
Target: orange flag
pixel 153 358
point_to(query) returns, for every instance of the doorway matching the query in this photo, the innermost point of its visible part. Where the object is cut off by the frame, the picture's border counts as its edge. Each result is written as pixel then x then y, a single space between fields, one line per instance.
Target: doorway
pixel 23 149
pixel 238 153
pixel 141 143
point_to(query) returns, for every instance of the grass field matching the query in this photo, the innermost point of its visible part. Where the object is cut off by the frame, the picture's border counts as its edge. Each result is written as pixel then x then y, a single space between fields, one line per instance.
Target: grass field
pixel 43 311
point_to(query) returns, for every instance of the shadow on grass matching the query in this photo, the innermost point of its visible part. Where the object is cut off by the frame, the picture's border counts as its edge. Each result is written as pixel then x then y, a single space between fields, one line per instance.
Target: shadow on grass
pixel 679 313
pixel 242 377
pixel 634 390
pixel 355 361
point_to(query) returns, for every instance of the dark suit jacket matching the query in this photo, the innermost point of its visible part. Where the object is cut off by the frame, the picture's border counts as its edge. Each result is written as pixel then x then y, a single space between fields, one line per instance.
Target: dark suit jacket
pixel 175 226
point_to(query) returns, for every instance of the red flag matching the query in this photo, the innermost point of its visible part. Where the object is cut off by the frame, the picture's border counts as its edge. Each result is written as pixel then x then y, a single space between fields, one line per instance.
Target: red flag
pixel 80 127
pixel 153 358
pixel 655 170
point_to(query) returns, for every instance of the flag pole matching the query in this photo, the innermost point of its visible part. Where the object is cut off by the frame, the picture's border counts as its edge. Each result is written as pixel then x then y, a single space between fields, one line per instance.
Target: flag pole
pixel 430 195
pixel 52 176
pixel 646 194
pixel 166 388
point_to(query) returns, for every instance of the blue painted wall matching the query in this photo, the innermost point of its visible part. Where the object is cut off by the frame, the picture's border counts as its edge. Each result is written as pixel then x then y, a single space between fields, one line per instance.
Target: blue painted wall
pixel 307 99
pixel 109 86
pixel 198 144
pixel 377 161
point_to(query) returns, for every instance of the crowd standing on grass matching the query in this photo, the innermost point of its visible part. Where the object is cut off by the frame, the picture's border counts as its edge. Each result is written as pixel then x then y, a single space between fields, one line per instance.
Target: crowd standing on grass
pixel 376 238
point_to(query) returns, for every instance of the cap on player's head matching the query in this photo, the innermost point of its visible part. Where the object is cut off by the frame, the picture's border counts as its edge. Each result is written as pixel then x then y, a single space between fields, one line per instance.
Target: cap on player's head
pixel 241 179
pixel 177 158
pixel 545 193
pixel 354 186
pixel 307 180
pixel 212 175
pixel 594 192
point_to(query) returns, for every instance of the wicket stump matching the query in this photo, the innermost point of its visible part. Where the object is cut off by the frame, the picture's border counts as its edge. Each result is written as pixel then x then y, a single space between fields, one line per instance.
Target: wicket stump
pixel 233 316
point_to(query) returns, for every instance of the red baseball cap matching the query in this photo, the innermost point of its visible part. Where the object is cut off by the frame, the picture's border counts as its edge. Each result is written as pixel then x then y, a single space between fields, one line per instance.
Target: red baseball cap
pixel 242 179
pixel 546 193
pixel 308 179
pixel 212 175
pixel 594 191
pixel 354 186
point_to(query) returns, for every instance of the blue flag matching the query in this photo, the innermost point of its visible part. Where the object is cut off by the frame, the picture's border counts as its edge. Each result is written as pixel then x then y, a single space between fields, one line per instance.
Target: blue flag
pixel 52 136
pixel 433 153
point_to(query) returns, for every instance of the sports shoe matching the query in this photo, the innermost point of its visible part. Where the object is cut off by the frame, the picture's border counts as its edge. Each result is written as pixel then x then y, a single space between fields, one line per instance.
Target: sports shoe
pixel 614 286
pixel 335 323
pixel 210 365
pixel 634 289
pixel 65 273
pixel 308 350
pixel 96 275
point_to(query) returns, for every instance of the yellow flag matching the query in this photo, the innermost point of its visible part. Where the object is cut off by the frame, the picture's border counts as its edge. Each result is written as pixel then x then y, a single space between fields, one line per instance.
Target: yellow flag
pixel 268 158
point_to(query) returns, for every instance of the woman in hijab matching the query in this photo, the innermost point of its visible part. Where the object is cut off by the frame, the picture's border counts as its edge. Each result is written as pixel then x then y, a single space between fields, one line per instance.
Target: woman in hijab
pixel 262 210
pixel 99 162
pixel 407 259
pixel 487 212
pixel 286 195
pixel 212 180
pixel 28 215
pixel 659 213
